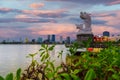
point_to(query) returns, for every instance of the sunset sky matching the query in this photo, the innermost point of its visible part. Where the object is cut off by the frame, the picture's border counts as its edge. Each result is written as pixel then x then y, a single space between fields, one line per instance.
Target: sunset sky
pixel 34 18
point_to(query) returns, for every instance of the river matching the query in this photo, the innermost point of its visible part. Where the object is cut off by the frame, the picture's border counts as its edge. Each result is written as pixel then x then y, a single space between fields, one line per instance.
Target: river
pixel 13 56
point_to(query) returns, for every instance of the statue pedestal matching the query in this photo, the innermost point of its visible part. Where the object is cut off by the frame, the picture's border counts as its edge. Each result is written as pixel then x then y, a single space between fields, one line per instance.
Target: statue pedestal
pixel 84 37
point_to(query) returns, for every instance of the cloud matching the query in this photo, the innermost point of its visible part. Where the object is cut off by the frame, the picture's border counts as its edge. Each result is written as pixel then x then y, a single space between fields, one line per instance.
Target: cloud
pixel 106 21
pixel 25 20
pixel 8 33
pixel 99 29
pixel 58 13
pixel 36 5
pixel 5 10
pixel 114 2
pixel 111 18
pixel 52 28
pixel 8 10
pixel 23 16
pixel 104 2
pixel 36 30
pixel 47 13
pixel 15 32
pixel 98 22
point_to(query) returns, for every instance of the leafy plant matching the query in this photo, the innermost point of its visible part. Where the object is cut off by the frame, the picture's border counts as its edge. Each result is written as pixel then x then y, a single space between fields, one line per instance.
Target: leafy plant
pixel 11 77
pixel 104 65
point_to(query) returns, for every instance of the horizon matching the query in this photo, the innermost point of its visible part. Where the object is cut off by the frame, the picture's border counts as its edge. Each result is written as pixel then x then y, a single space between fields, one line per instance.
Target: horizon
pixel 36 18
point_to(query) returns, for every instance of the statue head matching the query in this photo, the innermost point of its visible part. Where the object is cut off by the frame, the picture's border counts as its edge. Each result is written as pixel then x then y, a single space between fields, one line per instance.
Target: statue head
pixel 84 15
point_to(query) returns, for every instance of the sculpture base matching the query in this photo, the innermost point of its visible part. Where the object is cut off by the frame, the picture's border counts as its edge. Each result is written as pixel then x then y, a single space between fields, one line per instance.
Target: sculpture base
pixel 84 37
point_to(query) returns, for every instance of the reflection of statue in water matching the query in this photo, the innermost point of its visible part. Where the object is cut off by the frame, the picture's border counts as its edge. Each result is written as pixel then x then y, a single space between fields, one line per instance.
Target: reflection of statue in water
pixel 86 27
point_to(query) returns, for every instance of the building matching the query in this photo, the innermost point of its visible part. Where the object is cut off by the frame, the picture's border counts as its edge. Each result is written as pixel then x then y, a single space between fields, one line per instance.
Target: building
pixel 61 39
pixel 68 40
pixel 39 40
pixel 106 33
pixel 33 41
pixel 53 38
pixel 26 40
pixel 48 38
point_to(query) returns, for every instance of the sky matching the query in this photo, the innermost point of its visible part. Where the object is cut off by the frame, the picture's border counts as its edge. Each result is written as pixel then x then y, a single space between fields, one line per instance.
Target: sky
pixel 36 18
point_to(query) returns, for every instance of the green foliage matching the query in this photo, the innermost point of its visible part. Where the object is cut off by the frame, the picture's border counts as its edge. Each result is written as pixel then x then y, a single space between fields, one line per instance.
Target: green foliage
pixel 73 48
pixel 104 65
pixel 87 43
pixel 90 75
pixel 1 78
pixel 18 74
pixel 66 76
pixel 9 76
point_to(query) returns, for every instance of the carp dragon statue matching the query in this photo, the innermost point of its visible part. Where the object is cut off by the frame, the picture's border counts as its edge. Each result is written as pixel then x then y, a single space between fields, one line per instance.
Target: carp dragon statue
pixel 85 28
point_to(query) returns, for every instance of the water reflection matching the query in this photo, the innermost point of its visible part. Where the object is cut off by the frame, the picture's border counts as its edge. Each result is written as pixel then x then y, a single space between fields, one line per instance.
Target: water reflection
pixel 13 57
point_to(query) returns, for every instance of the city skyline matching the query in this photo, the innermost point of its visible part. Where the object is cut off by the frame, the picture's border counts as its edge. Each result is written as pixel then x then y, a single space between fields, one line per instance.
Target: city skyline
pixel 34 18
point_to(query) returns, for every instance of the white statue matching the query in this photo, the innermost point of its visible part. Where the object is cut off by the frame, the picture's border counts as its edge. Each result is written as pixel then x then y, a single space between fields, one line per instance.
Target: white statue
pixel 85 28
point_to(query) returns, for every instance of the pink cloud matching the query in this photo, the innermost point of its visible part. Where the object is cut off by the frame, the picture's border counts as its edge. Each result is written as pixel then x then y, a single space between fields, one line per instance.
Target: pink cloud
pixel 52 28
pixel 98 29
pixel 45 12
pixel 23 16
pixel 8 33
pixel 114 2
pixel 4 10
pixel 111 17
pixel 36 5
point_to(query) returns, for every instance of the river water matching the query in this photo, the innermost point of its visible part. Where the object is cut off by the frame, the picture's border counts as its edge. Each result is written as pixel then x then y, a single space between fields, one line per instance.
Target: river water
pixel 13 57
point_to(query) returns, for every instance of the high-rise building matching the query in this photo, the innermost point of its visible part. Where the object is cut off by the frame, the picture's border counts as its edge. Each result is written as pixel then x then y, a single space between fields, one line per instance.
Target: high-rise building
pixel 61 39
pixel 68 40
pixel 39 40
pixel 26 40
pixel 48 39
pixel 33 41
pixel 53 38
pixel 106 33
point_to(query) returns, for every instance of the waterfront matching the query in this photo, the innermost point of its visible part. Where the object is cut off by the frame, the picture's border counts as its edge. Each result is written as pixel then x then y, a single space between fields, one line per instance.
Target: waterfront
pixel 13 56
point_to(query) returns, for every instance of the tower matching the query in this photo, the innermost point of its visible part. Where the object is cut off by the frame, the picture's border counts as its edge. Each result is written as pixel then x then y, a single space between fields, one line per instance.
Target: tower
pixel 48 38
pixel 61 39
pixel 53 38
pixel 68 40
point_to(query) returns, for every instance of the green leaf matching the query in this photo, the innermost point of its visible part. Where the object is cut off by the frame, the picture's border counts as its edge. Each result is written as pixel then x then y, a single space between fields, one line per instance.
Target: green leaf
pixel 58 68
pixel 48 69
pixel 42 53
pixel 18 73
pixel 76 71
pixel 74 77
pixel 1 78
pixel 9 76
pixel 50 75
pixel 116 76
pixel 78 63
pixel 58 78
pixel 52 66
pixel 66 76
pixel 43 45
pixel 41 49
pixel 90 75
pixel 43 57
pixel 51 48
pixel 46 56
pixel 31 55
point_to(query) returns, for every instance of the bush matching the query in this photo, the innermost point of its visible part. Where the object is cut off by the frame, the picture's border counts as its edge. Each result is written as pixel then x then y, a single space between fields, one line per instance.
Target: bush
pixel 104 65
